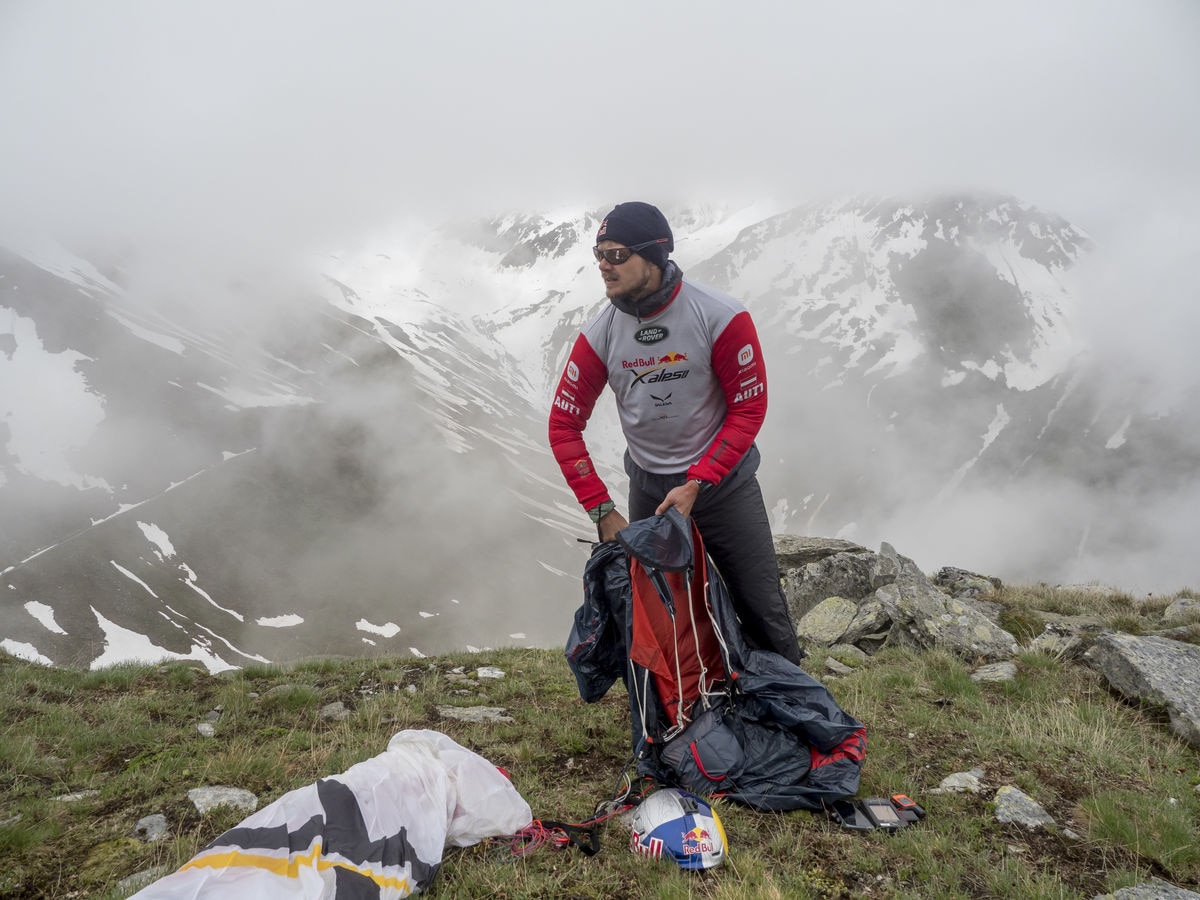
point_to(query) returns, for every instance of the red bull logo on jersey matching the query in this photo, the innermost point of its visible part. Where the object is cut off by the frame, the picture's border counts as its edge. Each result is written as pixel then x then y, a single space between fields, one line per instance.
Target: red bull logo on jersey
pixel 642 362
pixel 650 362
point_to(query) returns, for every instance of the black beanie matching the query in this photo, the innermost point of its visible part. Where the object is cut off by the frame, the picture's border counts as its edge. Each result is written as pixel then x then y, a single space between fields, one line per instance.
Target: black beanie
pixel 636 223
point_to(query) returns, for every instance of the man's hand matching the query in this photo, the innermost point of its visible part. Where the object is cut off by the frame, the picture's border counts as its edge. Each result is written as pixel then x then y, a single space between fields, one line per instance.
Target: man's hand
pixel 683 498
pixel 610 525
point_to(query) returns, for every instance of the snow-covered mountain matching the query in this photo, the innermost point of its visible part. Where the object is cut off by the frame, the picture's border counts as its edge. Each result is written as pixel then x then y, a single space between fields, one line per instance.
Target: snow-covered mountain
pixel 361 467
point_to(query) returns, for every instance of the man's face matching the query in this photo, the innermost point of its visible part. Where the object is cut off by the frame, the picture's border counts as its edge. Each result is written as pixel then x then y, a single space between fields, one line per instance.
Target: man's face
pixel 632 279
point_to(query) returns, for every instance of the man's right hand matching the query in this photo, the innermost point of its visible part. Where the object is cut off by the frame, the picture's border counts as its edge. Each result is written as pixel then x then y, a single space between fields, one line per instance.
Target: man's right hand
pixel 610 525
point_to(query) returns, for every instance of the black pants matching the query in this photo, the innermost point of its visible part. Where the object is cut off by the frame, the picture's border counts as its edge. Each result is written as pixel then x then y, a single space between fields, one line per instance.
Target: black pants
pixel 732 519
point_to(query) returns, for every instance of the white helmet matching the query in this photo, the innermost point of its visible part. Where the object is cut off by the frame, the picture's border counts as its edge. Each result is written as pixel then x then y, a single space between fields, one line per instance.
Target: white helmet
pixel 680 826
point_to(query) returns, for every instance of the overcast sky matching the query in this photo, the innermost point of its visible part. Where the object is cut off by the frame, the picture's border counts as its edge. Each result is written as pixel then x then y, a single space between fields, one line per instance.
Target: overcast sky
pixel 227 133
pixel 282 123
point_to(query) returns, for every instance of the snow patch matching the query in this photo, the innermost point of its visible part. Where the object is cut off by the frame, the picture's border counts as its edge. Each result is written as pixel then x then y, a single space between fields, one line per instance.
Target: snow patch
pixel 122 645
pixel 1118 438
pixel 45 616
pixel 158 538
pixel 133 577
pixel 42 435
pixel 390 629
pixel 27 652
pixel 290 620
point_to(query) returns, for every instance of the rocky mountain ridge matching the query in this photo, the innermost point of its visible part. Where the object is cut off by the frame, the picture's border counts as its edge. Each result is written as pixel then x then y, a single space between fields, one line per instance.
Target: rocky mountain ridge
pixel 362 468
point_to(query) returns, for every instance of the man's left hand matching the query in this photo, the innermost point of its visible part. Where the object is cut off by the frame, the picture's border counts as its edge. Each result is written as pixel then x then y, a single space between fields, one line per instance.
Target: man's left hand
pixel 683 498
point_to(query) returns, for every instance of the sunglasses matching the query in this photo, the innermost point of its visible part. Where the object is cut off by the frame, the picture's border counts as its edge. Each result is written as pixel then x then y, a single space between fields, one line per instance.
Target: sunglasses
pixel 618 255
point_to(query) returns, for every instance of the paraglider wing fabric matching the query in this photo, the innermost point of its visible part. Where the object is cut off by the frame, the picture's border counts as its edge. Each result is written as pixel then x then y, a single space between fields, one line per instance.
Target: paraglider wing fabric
pixel 596 650
pixel 660 542
pixel 378 830
pixel 774 688
pixel 782 743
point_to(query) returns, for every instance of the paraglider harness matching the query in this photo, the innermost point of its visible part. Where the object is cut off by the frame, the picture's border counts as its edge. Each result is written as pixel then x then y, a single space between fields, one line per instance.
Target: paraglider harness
pixel 709 713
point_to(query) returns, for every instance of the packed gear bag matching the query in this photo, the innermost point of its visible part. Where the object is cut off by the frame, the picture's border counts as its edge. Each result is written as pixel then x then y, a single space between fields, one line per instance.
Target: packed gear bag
pixel 709 713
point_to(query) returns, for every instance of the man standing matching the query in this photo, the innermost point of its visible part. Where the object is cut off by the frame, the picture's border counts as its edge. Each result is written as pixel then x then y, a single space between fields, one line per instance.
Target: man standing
pixel 685 365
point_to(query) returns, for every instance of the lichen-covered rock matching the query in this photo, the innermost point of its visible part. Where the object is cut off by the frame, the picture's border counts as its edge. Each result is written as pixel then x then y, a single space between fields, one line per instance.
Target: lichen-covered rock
pixel 826 622
pixel 1153 670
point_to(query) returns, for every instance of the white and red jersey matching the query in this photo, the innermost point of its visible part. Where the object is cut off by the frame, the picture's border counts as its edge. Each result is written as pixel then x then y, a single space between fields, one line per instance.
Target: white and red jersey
pixel 690 384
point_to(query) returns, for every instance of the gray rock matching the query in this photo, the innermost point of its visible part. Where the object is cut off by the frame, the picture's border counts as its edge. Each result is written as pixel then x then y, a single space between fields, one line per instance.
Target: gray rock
pixel 852 572
pixel 206 799
pixel 1015 806
pixel 131 884
pixel 961 783
pixel 151 828
pixel 963 584
pixel 1153 670
pixel 334 712
pixel 1182 611
pixel 795 551
pixel 837 668
pixel 995 672
pixel 848 654
pixel 826 622
pixel 1154 889
pixel 871 619
pixel 206 729
pixel 928 618
pixel 489 672
pixel 987 609
pixel 1060 640
pixel 474 713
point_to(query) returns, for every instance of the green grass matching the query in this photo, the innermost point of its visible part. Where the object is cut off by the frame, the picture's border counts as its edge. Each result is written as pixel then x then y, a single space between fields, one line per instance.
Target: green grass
pixel 1120 786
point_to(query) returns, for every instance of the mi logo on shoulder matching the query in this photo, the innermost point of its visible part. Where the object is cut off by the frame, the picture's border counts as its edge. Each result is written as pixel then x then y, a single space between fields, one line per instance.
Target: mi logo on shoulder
pixel 746 355
pixel 572 371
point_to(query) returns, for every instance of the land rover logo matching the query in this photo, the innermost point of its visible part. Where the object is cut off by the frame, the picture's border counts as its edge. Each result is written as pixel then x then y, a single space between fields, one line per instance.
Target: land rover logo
pixel 650 335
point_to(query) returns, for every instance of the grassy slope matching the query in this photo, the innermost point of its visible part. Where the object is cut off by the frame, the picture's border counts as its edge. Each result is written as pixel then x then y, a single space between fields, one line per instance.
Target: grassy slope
pixel 1111 774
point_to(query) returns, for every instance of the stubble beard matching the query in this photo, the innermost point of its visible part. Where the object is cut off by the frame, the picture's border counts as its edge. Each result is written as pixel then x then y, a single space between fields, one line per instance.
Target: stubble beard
pixel 635 292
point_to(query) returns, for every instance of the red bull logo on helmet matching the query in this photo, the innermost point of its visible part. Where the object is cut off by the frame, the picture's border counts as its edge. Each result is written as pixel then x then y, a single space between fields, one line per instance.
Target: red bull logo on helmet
pixel 698 840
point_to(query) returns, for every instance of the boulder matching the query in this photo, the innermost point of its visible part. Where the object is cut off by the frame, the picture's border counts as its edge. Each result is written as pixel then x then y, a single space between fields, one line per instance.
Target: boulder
pixel 815 569
pixel 826 622
pixel 1153 670
pixel 894 603
pixel 929 618
pixel 1182 611
pixel 206 799
pixel 961 583
pixel 1014 806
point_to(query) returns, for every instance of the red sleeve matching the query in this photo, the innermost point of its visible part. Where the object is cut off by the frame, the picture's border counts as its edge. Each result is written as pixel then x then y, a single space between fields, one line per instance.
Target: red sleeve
pixel 579 387
pixel 738 363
